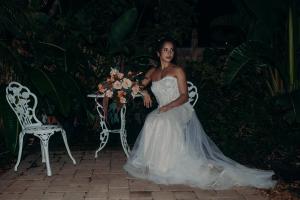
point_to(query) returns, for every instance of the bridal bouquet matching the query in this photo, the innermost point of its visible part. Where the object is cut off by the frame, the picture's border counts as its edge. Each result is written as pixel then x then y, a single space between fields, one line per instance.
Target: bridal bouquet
pixel 120 87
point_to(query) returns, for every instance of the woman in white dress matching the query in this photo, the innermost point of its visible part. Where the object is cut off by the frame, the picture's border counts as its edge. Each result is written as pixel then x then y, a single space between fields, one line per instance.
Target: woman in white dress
pixel 173 148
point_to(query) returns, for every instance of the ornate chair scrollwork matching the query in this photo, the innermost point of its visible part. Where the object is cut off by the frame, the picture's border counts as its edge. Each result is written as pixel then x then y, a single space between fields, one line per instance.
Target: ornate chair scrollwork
pixel 193 93
pixel 23 102
pixel 104 134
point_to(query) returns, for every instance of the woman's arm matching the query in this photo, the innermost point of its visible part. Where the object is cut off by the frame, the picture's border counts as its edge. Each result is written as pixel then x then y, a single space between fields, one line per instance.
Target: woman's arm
pixel 183 91
pixel 145 82
pixel 147 78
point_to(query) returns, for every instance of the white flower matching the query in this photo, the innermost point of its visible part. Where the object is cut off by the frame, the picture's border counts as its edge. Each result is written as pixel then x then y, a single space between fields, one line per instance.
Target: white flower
pixel 114 71
pixel 117 85
pixel 126 83
pixel 120 75
pixel 109 93
pixel 135 89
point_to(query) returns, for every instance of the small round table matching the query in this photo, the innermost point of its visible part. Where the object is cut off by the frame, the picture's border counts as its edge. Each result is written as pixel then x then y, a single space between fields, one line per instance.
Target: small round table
pixel 104 134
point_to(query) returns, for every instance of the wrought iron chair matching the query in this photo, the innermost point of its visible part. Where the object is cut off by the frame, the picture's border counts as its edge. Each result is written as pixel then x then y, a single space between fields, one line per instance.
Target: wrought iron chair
pixel 193 93
pixel 23 102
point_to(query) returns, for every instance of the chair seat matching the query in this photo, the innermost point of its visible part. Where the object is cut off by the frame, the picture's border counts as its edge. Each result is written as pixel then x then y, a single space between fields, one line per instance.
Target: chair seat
pixel 41 129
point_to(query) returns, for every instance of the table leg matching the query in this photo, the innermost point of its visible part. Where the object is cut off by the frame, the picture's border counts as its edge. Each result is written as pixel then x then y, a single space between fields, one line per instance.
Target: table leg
pixel 103 140
pixel 104 134
pixel 123 133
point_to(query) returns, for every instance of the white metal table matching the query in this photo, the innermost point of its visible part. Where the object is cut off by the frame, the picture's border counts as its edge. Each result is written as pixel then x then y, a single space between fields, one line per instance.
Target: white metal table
pixel 104 134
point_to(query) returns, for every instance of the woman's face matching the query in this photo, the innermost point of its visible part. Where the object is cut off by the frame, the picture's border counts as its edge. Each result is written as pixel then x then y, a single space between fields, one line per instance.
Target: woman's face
pixel 167 51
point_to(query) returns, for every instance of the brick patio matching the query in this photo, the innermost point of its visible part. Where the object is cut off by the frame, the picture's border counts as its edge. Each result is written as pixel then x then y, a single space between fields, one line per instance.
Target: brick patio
pixel 98 179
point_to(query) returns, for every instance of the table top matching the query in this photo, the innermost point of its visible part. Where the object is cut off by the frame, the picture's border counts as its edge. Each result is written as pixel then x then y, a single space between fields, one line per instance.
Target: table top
pixel 95 95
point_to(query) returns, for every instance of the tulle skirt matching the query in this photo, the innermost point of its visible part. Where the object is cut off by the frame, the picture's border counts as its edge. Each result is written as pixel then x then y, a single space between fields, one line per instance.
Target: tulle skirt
pixel 172 148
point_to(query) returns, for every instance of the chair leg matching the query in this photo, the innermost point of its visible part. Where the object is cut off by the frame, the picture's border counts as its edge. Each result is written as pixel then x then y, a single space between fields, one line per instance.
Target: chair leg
pixel 63 133
pixel 44 141
pixel 46 153
pixel 42 152
pixel 21 136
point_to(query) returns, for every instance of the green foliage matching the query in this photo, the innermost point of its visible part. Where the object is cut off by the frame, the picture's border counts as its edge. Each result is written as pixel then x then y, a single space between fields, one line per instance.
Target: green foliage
pixel 53 87
pixel 11 128
pixel 121 28
pixel 244 120
pixel 249 54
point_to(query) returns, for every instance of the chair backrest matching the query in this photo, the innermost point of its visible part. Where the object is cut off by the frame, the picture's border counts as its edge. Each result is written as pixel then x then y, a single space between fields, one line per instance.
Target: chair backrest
pixel 23 102
pixel 193 93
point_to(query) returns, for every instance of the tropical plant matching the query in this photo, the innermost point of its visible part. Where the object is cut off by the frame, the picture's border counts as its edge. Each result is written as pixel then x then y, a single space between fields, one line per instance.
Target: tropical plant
pixel 62 48
pixel 264 47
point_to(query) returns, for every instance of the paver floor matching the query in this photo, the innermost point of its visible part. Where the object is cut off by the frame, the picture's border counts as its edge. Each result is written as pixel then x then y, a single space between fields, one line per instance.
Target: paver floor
pixel 99 179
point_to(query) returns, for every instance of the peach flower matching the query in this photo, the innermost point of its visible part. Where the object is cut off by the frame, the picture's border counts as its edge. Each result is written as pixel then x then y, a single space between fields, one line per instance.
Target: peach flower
pixel 117 85
pixel 101 88
pixel 122 100
pixel 109 93
pixel 120 75
pixel 126 83
pixel 121 93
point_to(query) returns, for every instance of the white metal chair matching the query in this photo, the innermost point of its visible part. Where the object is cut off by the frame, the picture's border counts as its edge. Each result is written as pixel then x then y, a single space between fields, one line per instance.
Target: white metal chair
pixel 193 93
pixel 23 102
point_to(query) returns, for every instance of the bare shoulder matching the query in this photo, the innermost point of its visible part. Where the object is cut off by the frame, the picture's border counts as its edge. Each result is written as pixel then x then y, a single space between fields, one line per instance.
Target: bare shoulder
pixel 150 71
pixel 179 70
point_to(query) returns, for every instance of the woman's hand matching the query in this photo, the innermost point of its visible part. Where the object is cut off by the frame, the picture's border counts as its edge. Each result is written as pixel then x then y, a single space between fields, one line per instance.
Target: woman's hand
pixel 164 109
pixel 147 99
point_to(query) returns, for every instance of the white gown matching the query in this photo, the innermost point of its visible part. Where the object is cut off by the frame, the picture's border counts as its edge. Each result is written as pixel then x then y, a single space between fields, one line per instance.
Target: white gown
pixel 172 148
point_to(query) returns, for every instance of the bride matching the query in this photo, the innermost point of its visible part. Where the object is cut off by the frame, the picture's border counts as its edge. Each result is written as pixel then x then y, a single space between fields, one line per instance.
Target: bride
pixel 173 148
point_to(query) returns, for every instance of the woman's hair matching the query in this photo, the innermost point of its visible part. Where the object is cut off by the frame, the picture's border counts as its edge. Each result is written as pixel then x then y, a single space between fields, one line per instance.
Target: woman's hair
pixel 160 45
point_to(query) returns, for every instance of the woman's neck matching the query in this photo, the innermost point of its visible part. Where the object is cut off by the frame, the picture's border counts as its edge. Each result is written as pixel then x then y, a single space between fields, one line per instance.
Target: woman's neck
pixel 164 65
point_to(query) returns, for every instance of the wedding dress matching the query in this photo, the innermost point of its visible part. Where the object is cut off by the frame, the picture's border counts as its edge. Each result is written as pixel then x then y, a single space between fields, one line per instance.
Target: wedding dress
pixel 172 148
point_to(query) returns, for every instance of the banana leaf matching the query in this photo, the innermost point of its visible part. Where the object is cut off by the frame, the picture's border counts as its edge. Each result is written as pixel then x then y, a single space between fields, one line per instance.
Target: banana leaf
pixel 61 89
pixel 72 88
pixel 121 28
pixel 242 55
pixel 296 104
pixel 48 85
